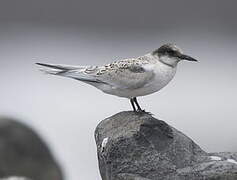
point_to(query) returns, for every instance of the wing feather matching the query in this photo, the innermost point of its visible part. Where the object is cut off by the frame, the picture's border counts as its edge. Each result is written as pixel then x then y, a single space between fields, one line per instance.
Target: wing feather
pixel 126 74
pixel 123 74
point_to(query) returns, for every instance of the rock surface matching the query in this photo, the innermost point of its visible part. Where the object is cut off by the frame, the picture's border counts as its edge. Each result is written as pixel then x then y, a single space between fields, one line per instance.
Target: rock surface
pixel 132 146
pixel 24 154
pixel 15 178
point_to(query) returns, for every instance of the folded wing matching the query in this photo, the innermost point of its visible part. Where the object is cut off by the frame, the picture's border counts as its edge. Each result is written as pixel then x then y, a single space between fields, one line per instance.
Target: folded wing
pixel 127 74
pixel 123 74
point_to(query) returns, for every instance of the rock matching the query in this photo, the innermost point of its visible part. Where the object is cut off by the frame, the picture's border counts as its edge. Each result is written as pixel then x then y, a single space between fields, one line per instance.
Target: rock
pixel 15 178
pixel 136 146
pixel 127 176
pixel 24 154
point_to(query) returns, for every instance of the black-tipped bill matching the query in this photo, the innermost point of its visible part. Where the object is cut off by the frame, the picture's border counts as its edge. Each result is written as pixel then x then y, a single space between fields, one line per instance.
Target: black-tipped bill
pixel 186 57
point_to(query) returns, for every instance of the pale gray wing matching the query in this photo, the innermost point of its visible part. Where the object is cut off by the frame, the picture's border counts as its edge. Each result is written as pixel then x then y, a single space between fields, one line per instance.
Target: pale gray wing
pixel 126 74
pixel 123 74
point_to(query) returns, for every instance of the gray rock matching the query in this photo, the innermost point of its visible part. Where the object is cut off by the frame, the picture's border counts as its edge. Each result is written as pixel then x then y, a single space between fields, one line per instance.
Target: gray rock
pixel 132 146
pixel 24 154
pixel 126 176
pixel 15 178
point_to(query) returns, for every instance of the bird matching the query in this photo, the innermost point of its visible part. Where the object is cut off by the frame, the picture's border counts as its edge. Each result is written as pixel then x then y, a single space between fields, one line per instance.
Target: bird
pixel 128 78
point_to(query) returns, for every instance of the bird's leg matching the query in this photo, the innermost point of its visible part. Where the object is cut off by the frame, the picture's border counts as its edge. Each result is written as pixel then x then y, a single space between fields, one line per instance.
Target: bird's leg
pixel 139 109
pixel 133 105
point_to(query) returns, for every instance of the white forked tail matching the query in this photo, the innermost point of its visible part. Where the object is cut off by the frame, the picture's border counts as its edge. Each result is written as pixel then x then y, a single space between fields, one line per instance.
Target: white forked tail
pixel 75 72
pixel 50 71
pixel 57 69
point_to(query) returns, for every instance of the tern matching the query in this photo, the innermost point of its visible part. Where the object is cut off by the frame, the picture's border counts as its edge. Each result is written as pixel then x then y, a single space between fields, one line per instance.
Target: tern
pixel 129 78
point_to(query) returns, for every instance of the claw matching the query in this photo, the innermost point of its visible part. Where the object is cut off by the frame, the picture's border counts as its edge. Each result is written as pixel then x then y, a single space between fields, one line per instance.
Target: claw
pixel 142 111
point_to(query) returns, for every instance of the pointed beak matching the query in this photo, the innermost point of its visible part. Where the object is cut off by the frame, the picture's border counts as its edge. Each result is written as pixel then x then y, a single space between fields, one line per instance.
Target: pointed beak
pixel 186 57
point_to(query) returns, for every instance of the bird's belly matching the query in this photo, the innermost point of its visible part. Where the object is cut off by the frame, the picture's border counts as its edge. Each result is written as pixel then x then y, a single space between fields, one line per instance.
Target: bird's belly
pixel 160 80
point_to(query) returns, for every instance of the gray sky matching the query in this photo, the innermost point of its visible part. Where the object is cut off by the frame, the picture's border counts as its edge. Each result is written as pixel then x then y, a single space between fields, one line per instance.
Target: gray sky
pixel 200 101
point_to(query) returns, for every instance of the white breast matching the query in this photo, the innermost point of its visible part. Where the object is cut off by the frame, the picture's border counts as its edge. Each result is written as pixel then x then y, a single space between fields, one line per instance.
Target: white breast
pixel 163 75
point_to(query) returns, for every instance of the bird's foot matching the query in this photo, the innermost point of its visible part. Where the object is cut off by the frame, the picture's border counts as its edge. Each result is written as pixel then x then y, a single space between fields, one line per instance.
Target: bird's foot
pixel 142 111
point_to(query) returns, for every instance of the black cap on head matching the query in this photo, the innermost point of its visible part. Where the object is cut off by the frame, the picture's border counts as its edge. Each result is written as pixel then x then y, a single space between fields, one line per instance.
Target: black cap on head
pixel 168 50
pixel 172 50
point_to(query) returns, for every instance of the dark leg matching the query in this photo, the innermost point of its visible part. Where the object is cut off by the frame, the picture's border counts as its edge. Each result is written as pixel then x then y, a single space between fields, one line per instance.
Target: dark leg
pixel 133 105
pixel 139 109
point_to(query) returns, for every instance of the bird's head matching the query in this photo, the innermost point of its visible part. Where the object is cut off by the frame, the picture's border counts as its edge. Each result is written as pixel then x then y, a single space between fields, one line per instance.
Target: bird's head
pixel 170 54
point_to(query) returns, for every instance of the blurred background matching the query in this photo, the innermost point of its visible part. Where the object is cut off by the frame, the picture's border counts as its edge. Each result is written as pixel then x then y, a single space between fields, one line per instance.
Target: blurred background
pixel 201 101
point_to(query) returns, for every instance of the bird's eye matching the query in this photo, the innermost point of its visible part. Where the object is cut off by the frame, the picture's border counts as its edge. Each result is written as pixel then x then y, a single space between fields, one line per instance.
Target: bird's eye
pixel 171 52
